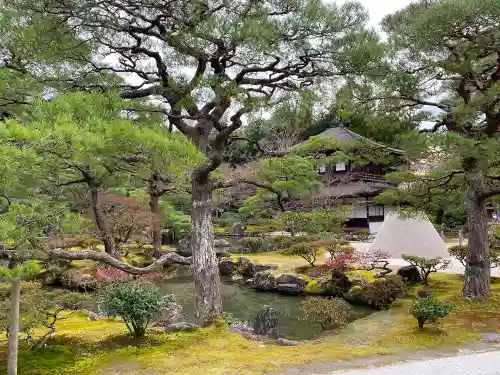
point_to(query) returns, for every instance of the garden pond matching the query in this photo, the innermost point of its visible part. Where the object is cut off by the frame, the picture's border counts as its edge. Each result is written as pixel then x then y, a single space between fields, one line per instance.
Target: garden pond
pixel 243 303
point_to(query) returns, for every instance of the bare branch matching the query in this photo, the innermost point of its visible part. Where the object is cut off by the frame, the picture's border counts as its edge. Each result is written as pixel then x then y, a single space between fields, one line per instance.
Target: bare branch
pixel 170 258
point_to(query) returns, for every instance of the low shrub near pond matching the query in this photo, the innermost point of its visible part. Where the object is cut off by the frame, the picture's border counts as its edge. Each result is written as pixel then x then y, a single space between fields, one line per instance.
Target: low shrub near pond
pixel 135 303
pixel 429 310
pixel 379 294
pixel 329 313
pixel 383 292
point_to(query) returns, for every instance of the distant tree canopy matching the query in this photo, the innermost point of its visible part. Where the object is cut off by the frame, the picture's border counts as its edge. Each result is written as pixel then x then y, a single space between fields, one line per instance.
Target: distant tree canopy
pixel 80 145
pixel 443 66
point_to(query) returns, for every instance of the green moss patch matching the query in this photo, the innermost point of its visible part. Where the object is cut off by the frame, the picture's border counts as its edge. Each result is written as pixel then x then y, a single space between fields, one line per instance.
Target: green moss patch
pixel 103 348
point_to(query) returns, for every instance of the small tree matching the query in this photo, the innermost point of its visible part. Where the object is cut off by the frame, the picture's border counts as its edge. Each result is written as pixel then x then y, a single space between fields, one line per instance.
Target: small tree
pixel 344 257
pixel 135 303
pixel 326 312
pixel 336 247
pixel 426 266
pixel 429 310
pixel 308 251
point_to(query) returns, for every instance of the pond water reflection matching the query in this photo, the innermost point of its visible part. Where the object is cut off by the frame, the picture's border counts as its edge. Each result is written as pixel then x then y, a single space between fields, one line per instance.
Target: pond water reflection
pixel 244 303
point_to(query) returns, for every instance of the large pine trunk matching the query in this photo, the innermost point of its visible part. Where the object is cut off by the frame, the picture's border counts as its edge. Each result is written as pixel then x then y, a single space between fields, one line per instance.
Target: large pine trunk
pixel 204 261
pixel 107 238
pixel 15 300
pixel 156 224
pixel 477 269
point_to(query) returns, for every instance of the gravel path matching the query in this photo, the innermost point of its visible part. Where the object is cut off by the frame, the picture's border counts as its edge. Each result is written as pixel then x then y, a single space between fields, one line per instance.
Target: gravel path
pixel 474 364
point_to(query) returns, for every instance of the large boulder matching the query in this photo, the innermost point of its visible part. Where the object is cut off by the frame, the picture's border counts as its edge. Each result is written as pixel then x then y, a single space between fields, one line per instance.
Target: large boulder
pixel 245 267
pixel 171 314
pixel 264 281
pixel 237 279
pixel 266 323
pixel 355 297
pixel 237 229
pixel 410 275
pixel 76 280
pixel 184 245
pixel 221 243
pixel 227 268
pixel 288 278
pixel 291 289
pixel 425 293
pixel 337 285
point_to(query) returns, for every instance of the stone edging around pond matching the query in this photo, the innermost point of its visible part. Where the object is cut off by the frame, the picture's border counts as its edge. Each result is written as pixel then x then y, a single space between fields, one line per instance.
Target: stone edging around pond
pixel 260 278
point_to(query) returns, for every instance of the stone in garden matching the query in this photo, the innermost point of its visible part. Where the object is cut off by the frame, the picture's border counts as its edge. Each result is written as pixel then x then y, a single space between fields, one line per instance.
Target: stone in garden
pixel 378 275
pixel 288 278
pixel 249 282
pixel 184 244
pixel 266 323
pixel 221 243
pixel 410 275
pixel 75 280
pixel 183 326
pixel 171 314
pixel 237 229
pixel 354 297
pixel 338 285
pixel 245 267
pixel 491 337
pixel 227 268
pixel 291 289
pixel 425 293
pixel 264 281
pixel 286 342
pixel 460 237
pixel 236 278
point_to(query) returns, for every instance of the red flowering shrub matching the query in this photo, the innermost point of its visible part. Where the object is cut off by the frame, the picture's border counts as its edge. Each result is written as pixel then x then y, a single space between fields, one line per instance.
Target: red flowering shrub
pixel 344 258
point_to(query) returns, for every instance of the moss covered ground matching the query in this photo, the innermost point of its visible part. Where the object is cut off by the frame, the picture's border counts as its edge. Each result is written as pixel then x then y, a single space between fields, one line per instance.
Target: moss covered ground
pixel 103 347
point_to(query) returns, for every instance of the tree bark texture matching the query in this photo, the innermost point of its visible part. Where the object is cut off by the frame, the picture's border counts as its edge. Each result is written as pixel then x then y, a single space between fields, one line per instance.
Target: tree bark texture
pixel 478 268
pixel 204 261
pixel 421 322
pixel 15 300
pixel 156 224
pixel 107 238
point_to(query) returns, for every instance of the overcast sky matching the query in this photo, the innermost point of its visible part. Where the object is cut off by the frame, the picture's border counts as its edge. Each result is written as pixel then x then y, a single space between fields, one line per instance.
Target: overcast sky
pixel 379 8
